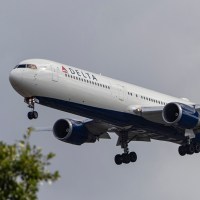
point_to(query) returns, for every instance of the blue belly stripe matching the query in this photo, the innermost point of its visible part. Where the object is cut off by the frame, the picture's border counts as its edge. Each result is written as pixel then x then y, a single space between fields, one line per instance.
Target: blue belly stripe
pixel 168 133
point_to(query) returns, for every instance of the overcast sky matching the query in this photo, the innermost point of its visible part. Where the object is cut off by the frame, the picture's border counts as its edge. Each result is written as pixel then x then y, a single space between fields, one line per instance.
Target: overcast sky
pixel 154 44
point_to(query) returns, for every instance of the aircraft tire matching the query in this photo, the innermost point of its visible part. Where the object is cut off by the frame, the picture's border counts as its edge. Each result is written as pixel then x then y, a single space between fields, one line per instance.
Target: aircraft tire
pixel 35 114
pixel 190 149
pixel 182 150
pixel 133 156
pixel 197 148
pixel 30 115
pixel 118 159
pixel 126 158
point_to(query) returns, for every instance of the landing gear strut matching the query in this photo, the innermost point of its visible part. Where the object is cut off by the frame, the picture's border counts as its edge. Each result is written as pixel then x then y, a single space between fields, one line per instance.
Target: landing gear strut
pixel 126 157
pixel 31 104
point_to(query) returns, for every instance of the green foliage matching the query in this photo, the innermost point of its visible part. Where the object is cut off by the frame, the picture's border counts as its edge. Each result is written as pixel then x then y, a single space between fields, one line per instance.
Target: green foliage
pixel 22 169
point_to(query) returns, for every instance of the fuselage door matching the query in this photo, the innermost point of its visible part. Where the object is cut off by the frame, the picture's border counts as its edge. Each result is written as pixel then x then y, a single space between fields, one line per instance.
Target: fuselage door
pixel 121 93
pixel 118 92
pixel 55 71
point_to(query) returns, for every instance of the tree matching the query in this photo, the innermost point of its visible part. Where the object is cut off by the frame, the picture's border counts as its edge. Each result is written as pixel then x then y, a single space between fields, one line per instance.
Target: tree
pixel 22 169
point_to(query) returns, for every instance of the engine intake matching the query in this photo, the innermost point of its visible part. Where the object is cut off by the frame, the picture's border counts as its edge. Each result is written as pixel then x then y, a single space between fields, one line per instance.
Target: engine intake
pixel 71 131
pixel 183 115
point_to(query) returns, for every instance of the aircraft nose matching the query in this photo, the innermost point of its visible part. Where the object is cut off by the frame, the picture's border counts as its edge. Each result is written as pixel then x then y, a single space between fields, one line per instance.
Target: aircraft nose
pixel 15 78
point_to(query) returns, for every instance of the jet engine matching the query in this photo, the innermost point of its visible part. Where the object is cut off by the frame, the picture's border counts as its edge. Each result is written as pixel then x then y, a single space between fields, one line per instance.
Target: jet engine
pixel 184 116
pixel 73 132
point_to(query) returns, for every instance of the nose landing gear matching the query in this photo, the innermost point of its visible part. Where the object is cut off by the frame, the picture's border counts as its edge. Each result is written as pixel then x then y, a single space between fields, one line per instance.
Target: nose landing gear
pixel 31 104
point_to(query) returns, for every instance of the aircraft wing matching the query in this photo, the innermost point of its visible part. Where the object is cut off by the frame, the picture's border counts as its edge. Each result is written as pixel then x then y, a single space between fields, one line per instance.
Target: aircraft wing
pixel 153 114
pixel 102 130
pixel 99 128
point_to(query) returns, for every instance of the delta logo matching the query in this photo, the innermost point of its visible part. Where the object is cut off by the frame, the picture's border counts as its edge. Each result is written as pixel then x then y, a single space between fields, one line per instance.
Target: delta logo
pixel 78 73
pixel 64 70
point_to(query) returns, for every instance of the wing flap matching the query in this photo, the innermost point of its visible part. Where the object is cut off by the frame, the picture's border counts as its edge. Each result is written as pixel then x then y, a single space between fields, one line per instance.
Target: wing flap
pixel 99 128
pixel 105 136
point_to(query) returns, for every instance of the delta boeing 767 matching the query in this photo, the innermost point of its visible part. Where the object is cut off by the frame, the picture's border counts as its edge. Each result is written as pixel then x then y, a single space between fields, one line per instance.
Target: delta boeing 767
pixel 133 113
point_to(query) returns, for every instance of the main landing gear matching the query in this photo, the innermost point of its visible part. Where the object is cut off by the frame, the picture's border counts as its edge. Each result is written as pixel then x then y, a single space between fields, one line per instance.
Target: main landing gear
pixel 189 149
pixel 126 157
pixel 31 104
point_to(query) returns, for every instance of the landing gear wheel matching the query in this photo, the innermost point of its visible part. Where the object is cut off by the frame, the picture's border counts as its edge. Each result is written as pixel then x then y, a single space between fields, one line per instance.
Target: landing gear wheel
pixel 197 148
pixel 133 156
pixel 118 159
pixel 182 150
pixel 30 115
pixel 190 149
pixel 35 114
pixel 126 158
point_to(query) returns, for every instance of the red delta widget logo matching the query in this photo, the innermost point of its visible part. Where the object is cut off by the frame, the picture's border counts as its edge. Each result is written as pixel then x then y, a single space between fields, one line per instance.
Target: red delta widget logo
pixel 64 69
pixel 79 73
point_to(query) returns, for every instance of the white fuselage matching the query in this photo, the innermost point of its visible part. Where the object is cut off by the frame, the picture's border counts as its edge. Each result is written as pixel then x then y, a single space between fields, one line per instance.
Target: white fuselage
pixel 69 84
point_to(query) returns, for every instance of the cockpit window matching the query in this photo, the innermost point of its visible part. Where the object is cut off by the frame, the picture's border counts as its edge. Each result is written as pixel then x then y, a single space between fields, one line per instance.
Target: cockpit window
pixel 21 66
pixel 30 66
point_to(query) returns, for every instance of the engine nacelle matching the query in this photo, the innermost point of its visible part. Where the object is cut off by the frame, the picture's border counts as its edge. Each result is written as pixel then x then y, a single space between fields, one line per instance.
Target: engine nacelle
pixel 183 115
pixel 73 132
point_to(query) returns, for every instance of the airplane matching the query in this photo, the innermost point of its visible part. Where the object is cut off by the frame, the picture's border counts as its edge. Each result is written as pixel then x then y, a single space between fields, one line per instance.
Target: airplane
pixel 108 106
